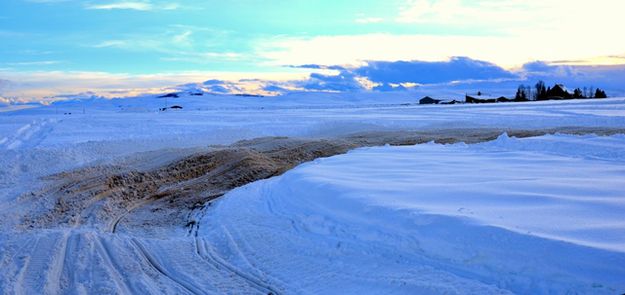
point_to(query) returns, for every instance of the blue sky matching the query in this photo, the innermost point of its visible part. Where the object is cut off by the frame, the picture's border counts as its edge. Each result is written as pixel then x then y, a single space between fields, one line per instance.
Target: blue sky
pixel 144 37
pixel 46 45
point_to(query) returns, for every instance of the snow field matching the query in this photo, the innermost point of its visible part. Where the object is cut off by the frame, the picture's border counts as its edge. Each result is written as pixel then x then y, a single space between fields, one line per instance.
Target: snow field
pixel 528 216
pixel 512 215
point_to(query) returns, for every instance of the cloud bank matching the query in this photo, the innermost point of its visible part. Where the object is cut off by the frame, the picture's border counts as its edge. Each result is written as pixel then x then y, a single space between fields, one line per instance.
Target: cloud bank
pixel 421 72
pixel 458 74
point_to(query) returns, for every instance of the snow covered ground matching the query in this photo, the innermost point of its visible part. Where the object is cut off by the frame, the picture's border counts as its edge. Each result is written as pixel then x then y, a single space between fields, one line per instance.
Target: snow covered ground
pixel 528 216
pixel 72 133
pixel 534 215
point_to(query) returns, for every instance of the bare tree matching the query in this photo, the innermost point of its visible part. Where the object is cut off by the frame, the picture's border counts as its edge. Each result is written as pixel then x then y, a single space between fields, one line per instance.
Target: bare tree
pixel 541 90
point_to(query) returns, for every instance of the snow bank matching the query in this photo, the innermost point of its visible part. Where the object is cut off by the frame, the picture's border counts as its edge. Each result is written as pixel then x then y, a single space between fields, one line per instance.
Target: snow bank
pixel 538 215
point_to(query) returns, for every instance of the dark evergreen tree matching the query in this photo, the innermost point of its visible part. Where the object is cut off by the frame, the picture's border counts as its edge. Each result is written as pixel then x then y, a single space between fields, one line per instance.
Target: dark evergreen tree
pixel 577 93
pixel 600 94
pixel 521 94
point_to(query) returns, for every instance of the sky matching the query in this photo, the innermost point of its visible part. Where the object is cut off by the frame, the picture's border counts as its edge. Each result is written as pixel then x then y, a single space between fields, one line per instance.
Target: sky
pixel 118 47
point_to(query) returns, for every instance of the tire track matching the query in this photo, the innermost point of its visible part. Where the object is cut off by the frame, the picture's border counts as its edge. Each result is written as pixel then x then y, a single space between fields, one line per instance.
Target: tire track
pixel 112 226
pixel 55 269
pixel 219 265
pixel 105 253
pixel 33 278
pixel 152 263
pixel 67 278
pixel 207 254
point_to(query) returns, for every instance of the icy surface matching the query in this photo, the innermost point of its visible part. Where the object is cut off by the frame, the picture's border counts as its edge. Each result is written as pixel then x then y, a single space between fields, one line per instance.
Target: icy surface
pixel 536 215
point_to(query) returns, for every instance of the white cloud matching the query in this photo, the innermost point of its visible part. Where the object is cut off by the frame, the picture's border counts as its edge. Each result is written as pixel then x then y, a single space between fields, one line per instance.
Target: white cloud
pixel 144 6
pixel 167 6
pixel 539 29
pixel 174 45
pixel 202 57
pixel 506 51
pixel 449 12
pixel 134 5
pixel 573 19
pixel 110 44
pixel 136 43
pixel 183 38
pixel 47 1
pixel 595 61
pixel 369 20
pixel 35 63
pixel 163 42
pixel 512 33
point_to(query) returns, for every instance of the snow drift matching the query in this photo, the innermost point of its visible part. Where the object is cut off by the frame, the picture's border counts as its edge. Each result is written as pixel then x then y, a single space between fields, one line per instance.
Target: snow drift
pixel 538 215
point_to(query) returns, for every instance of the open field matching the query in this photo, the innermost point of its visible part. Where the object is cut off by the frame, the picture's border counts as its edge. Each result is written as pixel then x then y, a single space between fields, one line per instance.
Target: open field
pixel 304 197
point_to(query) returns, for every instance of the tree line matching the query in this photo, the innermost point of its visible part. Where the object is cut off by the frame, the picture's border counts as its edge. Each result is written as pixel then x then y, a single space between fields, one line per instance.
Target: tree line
pixel 541 92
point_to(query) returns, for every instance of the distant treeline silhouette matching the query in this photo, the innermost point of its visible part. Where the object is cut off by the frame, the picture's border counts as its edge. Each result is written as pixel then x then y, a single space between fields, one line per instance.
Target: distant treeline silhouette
pixel 526 93
pixel 558 91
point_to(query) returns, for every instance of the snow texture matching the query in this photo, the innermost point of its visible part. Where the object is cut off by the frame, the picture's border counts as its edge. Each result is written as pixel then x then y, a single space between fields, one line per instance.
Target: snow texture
pixel 531 216
pixel 539 215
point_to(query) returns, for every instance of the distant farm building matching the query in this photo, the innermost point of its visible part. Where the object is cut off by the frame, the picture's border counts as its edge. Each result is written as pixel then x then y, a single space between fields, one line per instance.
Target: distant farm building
pixel 429 100
pixel 559 90
pixel 479 99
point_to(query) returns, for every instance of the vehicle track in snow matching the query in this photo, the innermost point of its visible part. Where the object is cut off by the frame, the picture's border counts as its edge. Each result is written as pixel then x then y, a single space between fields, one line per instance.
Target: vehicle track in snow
pixel 42 271
pixel 29 135
pixel 120 280
pixel 112 227
pixel 204 251
pixel 154 264
pixel 67 277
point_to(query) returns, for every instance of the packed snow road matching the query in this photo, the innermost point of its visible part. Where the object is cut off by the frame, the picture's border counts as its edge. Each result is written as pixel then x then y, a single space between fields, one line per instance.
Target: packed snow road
pixel 120 199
